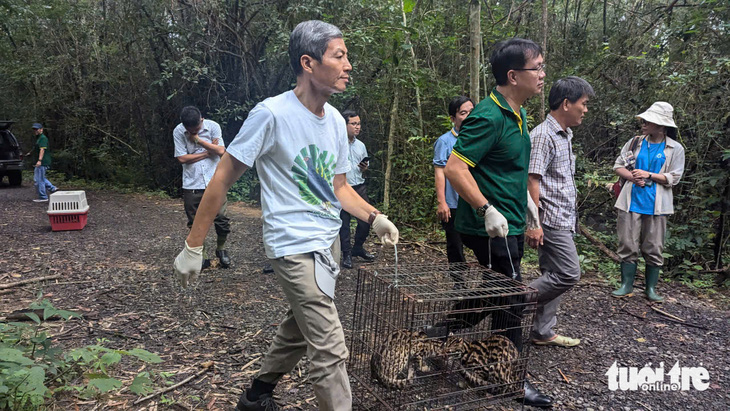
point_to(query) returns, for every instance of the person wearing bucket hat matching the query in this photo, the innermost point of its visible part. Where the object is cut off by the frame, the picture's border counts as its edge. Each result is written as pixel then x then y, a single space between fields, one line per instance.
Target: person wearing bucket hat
pixel 644 204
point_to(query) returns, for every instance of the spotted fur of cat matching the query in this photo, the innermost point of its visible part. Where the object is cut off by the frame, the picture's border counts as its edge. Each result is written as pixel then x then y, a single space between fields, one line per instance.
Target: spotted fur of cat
pixel 491 362
pixel 402 352
pixel 483 363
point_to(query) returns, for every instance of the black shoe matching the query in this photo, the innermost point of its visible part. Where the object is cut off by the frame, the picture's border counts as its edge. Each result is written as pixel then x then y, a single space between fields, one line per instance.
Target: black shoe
pixel 223 257
pixel 265 402
pixel 206 264
pixel 360 252
pixel 535 398
pixel 268 269
pixel 347 259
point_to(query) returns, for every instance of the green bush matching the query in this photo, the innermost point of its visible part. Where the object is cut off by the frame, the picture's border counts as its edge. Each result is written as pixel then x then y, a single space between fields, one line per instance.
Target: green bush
pixel 32 369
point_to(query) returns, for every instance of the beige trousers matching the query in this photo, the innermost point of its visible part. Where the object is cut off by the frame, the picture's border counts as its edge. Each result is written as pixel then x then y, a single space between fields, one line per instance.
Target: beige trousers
pixel 641 233
pixel 312 327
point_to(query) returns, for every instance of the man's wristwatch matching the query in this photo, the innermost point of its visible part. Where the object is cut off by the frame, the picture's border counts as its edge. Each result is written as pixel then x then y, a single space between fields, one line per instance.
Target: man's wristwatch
pixel 372 216
pixel 483 210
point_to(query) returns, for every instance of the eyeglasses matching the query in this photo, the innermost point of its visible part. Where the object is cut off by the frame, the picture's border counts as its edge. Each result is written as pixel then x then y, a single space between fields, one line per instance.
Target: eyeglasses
pixel 354 124
pixel 539 69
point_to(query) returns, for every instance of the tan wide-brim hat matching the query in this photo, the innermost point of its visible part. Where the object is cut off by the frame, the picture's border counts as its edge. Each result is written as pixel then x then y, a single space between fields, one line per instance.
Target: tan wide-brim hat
pixel 660 113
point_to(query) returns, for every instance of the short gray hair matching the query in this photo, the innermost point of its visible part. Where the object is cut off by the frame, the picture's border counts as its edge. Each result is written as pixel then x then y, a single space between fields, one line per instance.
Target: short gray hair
pixel 310 38
pixel 571 88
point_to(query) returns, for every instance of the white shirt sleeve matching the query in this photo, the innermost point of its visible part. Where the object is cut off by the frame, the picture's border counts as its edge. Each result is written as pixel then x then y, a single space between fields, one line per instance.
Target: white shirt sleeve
pixel 254 139
pixel 178 136
pixel 215 132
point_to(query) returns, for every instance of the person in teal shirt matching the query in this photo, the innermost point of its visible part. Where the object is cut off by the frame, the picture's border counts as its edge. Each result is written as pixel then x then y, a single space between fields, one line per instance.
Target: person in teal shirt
pixel 41 151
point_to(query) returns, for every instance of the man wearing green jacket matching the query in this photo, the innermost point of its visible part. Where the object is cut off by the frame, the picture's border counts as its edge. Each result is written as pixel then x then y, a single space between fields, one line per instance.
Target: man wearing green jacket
pixel 488 169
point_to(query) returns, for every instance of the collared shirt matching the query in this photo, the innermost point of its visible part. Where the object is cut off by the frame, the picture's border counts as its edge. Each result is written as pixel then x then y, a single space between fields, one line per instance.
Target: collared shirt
pixel 495 144
pixel 441 152
pixel 672 169
pixel 196 176
pixel 552 158
pixel 356 154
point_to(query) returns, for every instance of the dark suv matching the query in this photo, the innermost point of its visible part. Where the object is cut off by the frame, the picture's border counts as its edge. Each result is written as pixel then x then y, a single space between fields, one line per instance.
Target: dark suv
pixel 11 157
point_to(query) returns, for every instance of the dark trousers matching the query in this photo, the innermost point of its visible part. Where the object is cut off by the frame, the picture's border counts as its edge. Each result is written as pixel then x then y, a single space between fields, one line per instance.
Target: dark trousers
pixel 504 321
pixel 363 228
pixel 191 199
pixel 454 247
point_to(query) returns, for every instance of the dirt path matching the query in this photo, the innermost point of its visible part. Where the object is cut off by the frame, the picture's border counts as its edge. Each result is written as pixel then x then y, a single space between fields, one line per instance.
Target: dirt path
pixel 118 271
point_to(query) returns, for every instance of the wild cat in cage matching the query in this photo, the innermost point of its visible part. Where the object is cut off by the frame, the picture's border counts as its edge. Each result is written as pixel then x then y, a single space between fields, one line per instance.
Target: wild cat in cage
pixel 488 362
pixel 491 362
pixel 396 359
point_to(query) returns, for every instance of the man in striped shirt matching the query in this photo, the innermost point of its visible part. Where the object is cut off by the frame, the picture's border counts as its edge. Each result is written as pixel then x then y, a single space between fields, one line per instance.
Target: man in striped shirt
pixel 551 184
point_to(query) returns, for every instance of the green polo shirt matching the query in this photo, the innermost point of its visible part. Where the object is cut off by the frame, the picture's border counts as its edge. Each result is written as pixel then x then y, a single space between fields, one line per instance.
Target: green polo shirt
pixel 42 142
pixel 495 144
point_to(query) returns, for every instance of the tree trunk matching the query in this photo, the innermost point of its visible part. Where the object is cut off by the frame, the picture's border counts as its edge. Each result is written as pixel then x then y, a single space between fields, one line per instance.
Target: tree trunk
pixel 391 144
pixel 565 28
pixel 605 36
pixel 544 54
pixel 475 39
pixel 484 72
pixel 415 70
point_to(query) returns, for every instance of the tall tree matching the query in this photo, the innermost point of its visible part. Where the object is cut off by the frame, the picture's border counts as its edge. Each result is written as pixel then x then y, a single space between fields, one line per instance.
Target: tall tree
pixel 475 41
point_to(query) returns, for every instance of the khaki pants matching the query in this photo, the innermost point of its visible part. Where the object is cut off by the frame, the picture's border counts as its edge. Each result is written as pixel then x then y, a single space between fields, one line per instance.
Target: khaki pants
pixel 312 327
pixel 641 233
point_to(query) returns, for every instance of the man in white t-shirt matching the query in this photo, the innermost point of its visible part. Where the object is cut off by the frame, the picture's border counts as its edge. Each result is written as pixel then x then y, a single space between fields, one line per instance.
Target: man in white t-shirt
pixel 359 162
pixel 299 145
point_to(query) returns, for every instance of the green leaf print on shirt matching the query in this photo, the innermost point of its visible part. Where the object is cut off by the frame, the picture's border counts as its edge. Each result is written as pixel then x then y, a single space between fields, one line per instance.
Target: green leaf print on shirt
pixel 313 172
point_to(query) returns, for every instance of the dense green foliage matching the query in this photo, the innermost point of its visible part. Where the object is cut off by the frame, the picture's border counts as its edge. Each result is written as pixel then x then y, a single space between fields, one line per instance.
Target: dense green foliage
pixel 32 367
pixel 109 78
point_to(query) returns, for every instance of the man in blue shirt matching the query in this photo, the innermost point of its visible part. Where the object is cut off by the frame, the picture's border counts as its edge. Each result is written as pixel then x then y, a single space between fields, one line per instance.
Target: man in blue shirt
pixel 459 109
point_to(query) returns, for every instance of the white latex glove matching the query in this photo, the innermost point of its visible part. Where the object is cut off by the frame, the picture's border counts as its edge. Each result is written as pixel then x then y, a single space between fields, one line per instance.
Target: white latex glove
pixel 386 230
pixel 188 264
pixel 533 215
pixel 495 223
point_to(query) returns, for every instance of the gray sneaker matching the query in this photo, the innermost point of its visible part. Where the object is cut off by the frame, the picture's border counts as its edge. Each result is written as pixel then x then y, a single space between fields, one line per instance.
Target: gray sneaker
pixel 264 403
pixel 40 200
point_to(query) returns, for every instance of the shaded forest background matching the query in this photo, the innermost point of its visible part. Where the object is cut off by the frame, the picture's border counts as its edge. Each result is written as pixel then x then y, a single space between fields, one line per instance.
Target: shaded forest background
pixel 108 79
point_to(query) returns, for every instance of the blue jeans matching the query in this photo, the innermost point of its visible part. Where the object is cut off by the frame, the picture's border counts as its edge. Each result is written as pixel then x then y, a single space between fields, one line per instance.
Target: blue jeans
pixel 41 182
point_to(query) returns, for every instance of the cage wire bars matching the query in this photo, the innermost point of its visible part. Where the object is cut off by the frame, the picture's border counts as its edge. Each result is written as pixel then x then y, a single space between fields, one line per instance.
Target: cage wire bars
pixel 439 303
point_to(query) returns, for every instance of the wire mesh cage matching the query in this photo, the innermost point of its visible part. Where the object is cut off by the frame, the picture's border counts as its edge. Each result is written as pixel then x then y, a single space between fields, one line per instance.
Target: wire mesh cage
pixel 432 336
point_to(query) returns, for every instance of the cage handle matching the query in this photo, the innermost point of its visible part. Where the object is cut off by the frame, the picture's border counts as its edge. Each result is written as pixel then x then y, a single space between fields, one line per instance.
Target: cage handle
pixel 395 253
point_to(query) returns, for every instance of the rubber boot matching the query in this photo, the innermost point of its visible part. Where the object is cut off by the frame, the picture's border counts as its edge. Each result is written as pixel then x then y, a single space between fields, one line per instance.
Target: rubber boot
pixel 652 278
pixel 628 273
